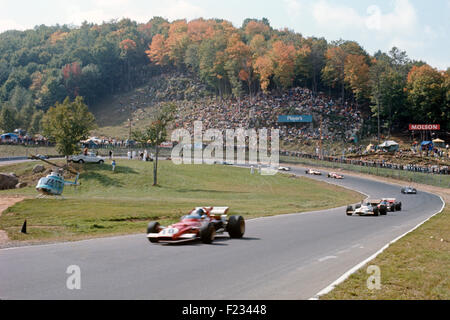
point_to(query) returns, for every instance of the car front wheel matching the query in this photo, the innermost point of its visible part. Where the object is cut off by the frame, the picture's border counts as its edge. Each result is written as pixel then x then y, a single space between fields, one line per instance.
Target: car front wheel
pixel 153 227
pixel 236 227
pixel 349 210
pixel 207 233
pixel 376 212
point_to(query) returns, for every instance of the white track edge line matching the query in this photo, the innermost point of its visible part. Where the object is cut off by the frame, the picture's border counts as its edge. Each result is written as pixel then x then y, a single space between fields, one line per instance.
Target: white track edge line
pixel 347 274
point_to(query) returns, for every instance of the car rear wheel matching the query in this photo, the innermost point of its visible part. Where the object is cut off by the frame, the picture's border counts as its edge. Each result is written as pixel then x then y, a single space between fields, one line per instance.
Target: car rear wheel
pixel 207 233
pixel 81 161
pixel 236 227
pixel 101 162
pixel 153 227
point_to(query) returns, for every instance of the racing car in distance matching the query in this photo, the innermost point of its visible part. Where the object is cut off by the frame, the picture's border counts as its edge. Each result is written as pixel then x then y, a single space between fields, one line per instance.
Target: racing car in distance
pixel 202 223
pixel 313 172
pixel 335 175
pixel 284 169
pixel 369 207
pixel 392 204
pixel 409 190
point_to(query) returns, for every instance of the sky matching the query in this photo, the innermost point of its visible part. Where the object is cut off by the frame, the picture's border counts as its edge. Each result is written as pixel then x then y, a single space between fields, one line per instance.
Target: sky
pixel 419 27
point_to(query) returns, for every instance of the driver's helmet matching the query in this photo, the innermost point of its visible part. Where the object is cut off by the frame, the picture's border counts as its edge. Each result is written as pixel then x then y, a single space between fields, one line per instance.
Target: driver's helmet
pixel 200 212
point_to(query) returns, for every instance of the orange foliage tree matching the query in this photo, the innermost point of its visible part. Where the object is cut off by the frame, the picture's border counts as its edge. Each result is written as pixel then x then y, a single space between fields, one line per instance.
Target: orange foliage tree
pixel 356 72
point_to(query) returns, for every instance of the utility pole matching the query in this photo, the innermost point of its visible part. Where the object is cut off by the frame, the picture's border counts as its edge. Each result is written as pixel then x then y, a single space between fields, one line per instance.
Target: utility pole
pixel 129 134
pixel 320 129
pixel 378 112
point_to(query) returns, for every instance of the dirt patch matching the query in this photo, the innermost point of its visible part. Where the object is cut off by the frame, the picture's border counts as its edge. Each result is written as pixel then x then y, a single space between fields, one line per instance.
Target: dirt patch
pixel 5 203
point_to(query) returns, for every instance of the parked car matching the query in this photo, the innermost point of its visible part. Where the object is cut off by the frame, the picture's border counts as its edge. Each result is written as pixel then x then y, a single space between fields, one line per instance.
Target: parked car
pixel 89 158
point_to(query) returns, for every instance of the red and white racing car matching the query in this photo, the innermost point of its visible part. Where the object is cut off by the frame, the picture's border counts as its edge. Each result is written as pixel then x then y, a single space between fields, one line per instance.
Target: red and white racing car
pixel 202 223
pixel 392 204
pixel 335 175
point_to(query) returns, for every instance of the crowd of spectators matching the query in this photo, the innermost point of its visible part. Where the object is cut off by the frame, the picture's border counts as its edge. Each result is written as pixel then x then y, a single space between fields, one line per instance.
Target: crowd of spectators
pixel 372 163
pixel 340 121
pixel 24 140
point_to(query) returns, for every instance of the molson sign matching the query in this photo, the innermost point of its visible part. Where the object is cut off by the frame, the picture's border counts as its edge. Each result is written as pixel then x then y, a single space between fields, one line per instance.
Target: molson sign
pixel 432 127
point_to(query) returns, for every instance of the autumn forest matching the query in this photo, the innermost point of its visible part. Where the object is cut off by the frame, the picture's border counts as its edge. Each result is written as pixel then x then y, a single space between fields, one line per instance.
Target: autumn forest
pixel 43 66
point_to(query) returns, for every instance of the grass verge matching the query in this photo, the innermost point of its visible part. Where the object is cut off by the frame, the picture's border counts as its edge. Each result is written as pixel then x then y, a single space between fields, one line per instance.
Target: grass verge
pixel 416 267
pixel 7 150
pixel 124 202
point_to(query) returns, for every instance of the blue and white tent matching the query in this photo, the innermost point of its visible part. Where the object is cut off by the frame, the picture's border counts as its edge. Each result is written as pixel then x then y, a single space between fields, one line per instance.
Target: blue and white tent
pixel 9 137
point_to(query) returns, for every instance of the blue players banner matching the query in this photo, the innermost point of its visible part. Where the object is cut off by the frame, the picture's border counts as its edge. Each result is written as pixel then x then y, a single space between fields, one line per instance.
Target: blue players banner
pixel 294 118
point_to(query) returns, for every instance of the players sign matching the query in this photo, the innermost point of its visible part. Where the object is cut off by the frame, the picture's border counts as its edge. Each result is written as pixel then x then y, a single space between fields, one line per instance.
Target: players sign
pixel 294 118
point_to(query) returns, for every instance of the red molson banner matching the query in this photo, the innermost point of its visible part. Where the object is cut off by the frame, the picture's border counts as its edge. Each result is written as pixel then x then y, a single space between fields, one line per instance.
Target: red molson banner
pixel 432 127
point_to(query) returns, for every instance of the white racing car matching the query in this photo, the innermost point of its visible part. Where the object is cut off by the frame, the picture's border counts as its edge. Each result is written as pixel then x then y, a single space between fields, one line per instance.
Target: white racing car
pixel 409 190
pixel 313 172
pixel 368 207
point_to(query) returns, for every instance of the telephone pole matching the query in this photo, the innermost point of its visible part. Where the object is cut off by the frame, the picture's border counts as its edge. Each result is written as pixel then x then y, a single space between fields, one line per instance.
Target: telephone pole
pixel 129 134
pixel 320 129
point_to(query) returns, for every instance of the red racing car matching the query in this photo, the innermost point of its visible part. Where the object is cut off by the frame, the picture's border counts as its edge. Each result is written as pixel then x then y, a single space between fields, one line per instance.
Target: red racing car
pixel 335 175
pixel 202 223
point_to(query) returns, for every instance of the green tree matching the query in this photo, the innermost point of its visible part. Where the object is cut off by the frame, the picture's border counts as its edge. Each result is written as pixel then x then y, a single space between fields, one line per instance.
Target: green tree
pixel 426 93
pixel 8 119
pixel 156 133
pixel 35 125
pixel 68 123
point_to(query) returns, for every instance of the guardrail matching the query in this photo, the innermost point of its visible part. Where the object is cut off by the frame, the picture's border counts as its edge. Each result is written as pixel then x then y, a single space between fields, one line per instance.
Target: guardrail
pixel 13 158
pixel 430 178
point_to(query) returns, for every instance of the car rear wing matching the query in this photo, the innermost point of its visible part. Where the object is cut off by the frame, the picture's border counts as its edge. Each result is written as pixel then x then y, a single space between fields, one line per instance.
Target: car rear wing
pixel 215 211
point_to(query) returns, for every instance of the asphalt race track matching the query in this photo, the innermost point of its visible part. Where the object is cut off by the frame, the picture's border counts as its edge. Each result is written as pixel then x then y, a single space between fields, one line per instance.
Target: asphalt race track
pixel 283 257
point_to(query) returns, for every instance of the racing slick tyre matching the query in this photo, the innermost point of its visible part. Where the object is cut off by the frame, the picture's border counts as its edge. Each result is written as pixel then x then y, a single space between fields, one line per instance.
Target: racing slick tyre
pixel 349 210
pixel 398 206
pixel 383 211
pixel 358 206
pixel 376 212
pixel 236 227
pixel 207 233
pixel 153 227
